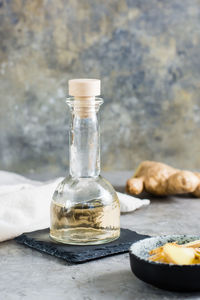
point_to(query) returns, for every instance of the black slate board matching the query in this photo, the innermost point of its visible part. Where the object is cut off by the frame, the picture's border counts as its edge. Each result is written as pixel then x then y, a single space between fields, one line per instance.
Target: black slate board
pixel 41 241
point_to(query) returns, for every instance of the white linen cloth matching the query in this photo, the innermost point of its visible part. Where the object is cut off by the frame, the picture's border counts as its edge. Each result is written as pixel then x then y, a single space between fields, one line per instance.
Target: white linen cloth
pixel 25 204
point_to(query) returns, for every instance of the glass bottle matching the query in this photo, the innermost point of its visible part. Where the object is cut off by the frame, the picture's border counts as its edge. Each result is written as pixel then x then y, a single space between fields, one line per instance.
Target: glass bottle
pixel 85 207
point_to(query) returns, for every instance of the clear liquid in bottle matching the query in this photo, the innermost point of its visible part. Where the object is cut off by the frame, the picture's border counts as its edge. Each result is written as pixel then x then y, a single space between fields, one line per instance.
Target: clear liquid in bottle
pixel 88 223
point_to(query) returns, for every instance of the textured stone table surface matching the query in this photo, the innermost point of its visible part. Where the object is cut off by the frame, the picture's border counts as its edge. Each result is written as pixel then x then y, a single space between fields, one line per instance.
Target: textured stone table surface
pixel 28 274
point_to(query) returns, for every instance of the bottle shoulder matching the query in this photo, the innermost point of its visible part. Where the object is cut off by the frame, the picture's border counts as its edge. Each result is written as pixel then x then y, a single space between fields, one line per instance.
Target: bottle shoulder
pixel 84 189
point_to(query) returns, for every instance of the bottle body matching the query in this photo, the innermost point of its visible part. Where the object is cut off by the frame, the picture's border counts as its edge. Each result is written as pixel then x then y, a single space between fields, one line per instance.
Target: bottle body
pixel 85 211
pixel 85 207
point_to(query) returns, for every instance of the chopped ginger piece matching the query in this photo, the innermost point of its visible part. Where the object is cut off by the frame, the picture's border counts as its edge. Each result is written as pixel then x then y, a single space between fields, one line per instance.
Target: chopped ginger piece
pixel 185 254
pixel 179 255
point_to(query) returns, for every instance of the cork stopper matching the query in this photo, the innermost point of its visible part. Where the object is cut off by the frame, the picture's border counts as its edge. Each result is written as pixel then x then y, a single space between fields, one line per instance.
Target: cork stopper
pixel 84 88
pixel 84 92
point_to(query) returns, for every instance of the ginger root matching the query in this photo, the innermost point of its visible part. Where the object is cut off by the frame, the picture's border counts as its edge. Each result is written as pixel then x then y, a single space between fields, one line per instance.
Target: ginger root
pixel 160 179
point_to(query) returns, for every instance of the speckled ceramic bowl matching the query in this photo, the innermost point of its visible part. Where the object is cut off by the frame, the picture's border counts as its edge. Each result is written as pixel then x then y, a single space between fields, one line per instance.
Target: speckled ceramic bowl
pixel 172 277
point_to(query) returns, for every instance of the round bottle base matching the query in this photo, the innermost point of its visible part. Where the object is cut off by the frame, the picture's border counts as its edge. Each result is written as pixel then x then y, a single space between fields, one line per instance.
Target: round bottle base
pixel 84 236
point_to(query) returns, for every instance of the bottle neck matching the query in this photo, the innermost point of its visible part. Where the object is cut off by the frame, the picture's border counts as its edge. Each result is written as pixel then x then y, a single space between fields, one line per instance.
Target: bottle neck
pixel 84 139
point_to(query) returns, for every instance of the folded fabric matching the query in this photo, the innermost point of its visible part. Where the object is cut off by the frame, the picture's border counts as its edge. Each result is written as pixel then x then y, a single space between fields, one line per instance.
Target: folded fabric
pixel 25 204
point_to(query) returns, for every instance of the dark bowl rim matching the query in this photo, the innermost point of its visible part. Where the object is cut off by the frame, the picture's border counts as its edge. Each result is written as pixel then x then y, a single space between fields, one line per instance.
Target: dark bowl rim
pixel 171 265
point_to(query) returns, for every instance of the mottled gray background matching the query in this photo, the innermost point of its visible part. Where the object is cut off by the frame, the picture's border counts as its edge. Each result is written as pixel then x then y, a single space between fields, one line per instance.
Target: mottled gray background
pixel 147 53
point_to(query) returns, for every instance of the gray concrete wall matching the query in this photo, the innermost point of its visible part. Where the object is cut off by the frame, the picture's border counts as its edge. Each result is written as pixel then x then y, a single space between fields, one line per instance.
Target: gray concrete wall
pixel 147 53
